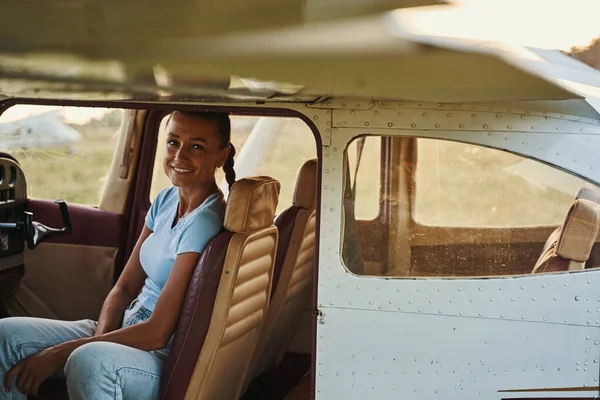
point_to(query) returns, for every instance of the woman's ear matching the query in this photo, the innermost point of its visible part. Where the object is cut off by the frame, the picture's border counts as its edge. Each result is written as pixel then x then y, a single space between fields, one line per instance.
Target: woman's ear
pixel 223 156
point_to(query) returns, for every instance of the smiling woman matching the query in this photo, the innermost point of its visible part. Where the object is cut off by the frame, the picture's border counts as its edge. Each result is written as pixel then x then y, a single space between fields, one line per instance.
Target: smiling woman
pixel 136 326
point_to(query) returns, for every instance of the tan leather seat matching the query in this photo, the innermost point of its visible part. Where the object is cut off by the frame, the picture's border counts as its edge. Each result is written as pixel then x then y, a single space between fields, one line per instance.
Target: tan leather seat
pixel 294 270
pixel 587 192
pixel 569 247
pixel 227 299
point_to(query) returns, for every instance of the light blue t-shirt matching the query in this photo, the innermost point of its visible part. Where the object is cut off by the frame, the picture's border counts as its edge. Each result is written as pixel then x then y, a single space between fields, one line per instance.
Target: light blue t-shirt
pixel 191 234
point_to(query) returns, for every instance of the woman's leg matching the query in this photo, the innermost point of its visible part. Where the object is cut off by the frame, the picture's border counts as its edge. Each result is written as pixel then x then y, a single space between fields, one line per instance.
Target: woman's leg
pixel 21 337
pixel 108 371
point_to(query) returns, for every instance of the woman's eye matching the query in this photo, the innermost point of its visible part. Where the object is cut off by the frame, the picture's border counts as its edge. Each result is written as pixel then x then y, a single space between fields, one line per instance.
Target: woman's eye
pixel 171 142
pixel 198 147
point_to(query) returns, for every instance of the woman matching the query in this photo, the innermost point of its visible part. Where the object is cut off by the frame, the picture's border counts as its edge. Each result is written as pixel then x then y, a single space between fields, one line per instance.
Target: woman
pixel 121 355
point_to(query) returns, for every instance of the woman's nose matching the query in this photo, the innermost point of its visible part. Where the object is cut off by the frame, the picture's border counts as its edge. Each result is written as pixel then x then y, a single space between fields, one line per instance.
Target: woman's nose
pixel 181 153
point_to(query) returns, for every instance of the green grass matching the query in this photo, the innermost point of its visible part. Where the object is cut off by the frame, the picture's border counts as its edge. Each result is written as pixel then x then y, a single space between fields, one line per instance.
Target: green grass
pixel 465 185
pixel 76 175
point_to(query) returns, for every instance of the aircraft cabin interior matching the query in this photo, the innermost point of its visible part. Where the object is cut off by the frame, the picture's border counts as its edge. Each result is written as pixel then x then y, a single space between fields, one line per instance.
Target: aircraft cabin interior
pixel 71 209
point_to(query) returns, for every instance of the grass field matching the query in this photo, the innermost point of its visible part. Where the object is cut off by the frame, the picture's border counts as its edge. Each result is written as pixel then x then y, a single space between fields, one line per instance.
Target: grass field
pixel 76 175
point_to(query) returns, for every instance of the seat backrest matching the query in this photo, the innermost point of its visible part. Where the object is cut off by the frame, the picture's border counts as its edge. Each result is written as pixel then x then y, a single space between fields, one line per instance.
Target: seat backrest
pixel 227 299
pixel 569 247
pixel 587 192
pixel 294 270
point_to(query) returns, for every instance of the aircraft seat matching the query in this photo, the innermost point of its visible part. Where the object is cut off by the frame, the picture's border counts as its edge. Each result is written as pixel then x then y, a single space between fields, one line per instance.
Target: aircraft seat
pixel 226 301
pixel 587 192
pixel 569 247
pixel 293 274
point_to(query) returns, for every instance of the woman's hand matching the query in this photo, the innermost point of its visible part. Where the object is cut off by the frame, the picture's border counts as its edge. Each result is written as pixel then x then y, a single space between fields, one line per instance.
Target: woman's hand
pixel 35 369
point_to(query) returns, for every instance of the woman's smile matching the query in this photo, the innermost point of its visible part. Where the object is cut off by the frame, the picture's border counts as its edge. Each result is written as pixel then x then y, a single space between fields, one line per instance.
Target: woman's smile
pixel 181 170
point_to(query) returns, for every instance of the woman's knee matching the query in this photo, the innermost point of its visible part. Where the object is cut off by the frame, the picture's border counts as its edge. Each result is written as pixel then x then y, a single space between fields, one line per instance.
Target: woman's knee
pixel 87 369
pixel 12 328
pixel 99 368
pixel 89 358
pixel 12 333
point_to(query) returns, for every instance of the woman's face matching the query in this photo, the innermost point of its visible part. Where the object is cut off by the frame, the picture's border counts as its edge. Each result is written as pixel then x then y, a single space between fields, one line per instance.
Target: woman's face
pixel 192 151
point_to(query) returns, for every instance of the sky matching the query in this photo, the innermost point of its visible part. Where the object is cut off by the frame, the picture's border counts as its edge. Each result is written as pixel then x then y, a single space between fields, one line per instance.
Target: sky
pixel 75 115
pixel 555 24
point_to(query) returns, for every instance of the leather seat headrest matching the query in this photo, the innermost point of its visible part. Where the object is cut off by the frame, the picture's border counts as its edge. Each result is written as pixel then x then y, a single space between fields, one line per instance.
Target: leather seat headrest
pixel 305 194
pixel 252 204
pixel 579 231
pixel 589 192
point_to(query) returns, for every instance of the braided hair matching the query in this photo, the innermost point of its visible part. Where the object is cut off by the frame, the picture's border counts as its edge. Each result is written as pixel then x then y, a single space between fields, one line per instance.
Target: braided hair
pixel 223 132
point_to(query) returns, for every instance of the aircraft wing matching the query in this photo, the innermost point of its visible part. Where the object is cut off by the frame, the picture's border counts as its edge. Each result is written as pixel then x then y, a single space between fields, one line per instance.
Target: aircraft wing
pixel 371 57
pixel 93 25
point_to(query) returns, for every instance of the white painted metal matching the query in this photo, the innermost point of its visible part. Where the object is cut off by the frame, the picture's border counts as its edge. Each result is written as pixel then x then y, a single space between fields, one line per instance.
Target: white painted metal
pixel 393 355
pixel 456 338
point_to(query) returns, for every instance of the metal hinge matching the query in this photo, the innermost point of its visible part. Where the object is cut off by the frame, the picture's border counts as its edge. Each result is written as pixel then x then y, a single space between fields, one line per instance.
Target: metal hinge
pixel 320 315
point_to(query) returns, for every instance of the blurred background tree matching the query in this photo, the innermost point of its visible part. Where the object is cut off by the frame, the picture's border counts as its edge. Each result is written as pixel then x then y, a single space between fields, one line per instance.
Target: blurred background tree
pixel 589 54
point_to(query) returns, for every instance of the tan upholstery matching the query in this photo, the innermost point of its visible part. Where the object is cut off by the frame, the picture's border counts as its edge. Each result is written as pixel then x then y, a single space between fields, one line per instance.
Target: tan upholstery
pixel 294 270
pixel 589 192
pixel 238 316
pixel 227 300
pixel 579 231
pixel 255 203
pixel 305 193
pixel 569 247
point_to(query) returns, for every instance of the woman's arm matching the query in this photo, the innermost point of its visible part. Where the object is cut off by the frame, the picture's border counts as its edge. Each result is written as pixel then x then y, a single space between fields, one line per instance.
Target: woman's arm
pixel 126 289
pixel 154 333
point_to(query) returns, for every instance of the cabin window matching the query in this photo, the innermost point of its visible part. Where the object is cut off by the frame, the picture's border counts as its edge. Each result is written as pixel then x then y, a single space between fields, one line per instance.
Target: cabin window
pixel 466 185
pixel 65 152
pixel 272 146
pixel 453 209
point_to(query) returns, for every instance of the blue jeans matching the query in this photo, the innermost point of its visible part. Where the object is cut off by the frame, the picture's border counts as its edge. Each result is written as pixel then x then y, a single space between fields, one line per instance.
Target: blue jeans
pixel 98 370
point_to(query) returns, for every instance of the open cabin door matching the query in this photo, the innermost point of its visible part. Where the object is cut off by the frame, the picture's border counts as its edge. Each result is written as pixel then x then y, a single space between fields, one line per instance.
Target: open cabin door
pixel 68 276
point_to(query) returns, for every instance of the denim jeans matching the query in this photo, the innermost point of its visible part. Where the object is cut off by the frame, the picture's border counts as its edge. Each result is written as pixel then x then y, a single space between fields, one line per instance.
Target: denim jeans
pixel 98 370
